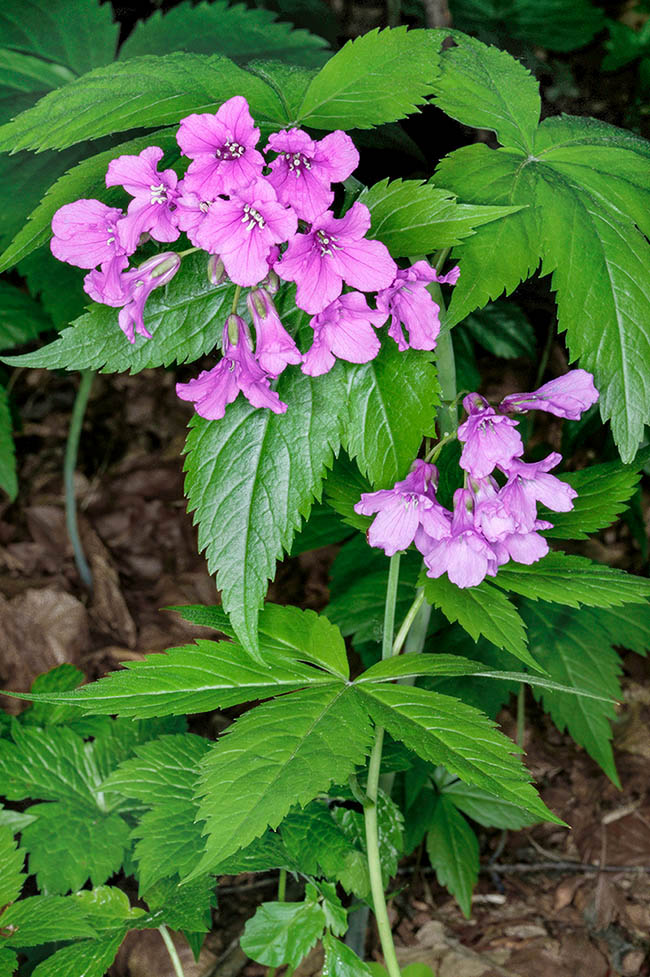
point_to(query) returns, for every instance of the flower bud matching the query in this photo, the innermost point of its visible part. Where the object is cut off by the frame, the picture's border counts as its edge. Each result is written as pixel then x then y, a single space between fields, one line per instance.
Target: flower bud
pixel 216 270
pixel 161 268
pixel 233 325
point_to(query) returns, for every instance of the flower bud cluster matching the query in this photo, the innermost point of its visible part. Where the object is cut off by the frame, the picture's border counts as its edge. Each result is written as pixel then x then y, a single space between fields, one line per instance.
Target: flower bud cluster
pixel 492 522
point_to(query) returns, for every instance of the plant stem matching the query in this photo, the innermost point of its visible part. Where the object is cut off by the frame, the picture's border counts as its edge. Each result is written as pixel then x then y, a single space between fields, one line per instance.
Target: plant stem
pixel 389 610
pixel 408 621
pixel 235 301
pixel 181 254
pixel 69 465
pixel 521 714
pixel 171 950
pixel 282 892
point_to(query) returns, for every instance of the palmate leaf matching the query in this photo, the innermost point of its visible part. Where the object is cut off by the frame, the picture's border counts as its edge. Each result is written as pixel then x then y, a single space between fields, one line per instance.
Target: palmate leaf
pixel 43 919
pixel 239 32
pixel 553 24
pixel 92 958
pixel 252 477
pixel 279 754
pixel 603 491
pixel 194 678
pixel 392 403
pixel 321 847
pixel 185 318
pixel 486 809
pixel 11 864
pixel 8 476
pixel 452 847
pixel 625 629
pixel 443 730
pixel 185 907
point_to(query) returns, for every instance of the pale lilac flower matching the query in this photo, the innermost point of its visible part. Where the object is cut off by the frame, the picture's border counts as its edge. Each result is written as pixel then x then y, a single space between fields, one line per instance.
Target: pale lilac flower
pixel 153 193
pixel 85 234
pixel 492 518
pixel 566 396
pixel 191 211
pixel 132 290
pixel 214 389
pixel 402 510
pixel 334 251
pixel 222 149
pixel 451 277
pixel 244 229
pixel 344 330
pixel 410 305
pixel 489 438
pixel 522 547
pixel 529 483
pixel 274 347
pixel 464 555
pixel 304 169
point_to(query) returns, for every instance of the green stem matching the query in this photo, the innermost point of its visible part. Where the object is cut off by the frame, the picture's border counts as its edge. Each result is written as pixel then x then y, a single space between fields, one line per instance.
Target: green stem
pixel 171 950
pixel 282 892
pixel 521 714
pixel 181 254
pixel 235 301
pixel 69 465
pixel 408 621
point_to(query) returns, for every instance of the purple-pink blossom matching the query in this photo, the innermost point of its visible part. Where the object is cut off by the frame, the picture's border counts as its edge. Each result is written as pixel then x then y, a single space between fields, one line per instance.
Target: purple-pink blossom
pixel 529 483
pixel 489 439
pixel 154 194
pixel 191 211
pixel 333 251
pixel 345 330
pixel 85 234
pixel 412 307
pixel 274 347
pixel 567 396
pixel 464 555
pixel 305 168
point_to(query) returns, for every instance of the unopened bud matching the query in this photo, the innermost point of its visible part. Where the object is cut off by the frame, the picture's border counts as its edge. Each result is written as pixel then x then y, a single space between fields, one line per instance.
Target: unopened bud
pixel 272 282
pixel 233 323
pixel 162 267
pixel 257 303
pixel 216 270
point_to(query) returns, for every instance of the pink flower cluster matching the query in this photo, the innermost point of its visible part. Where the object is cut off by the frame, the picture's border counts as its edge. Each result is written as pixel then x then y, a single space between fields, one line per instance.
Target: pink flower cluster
pixel 491 523
pixel 261 220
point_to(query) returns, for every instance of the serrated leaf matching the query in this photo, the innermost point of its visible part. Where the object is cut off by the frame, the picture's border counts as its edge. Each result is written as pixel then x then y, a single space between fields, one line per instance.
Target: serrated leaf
pixel 21 318
pixel 187 906
pixel 283 932
pixel 23 73
pixel 502 329
pixel 92 958
pixel 412 665
pixel 43 919
pixel 486 88
pixel 194 678
pixel 62 678
pixel 107 908
pixel 343 488
pixel 413 218
pixel 577 651
pixel 280 753
pixel 11 864
pixel 341 961
pixel 185 317
pixel 442 730
pixel 552 24
pixel 485 809
pixel 573 580
pixel 264 854
pixel 53 767
pixel 288 630
pixel 57 286
pixel 627 630
pixel 8 962
pixel 320 846
pixel 480 611
pixel 237 31
pixel 391 403
pixel 377 78
pixel 142 92
pixel 452 847
pixel 390 831
pixel 603 493
pixel 251 478
pixel 77 33
pixel 8 475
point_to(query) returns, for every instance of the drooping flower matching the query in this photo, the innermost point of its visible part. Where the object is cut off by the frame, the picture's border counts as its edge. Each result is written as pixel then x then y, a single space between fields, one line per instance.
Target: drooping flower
pixel 154 195
pixel 410 305
pixel 191 211
pixel 274 347
pixel 222 149
pixel 464 555
pixel 244 229
pixel 567 396
pixel 238 371
pixel 334 251
pixel 345 330
pixel 132 289
pixel 85 234
pixel 522 547
pixel 304 169
pixel 529 483
pixel 490 439
pixel 402 510
pixel 491 516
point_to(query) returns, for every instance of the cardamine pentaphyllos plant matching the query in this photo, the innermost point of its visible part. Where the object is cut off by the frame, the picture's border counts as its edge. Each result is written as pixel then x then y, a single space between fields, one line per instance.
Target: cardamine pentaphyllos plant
pixel 292 269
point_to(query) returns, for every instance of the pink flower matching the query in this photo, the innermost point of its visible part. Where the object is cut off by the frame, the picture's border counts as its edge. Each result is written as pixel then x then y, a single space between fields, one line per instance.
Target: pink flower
pixel 411 305
pixel 343 329
pixel 334 251
pixel 274 347
pixel 85 234
pixel 523 547
pixel 490 438
pixel 153 193
pixel 304 169
pixel 492 518
pixel 191 211
pixel 464 555
pixel 403 510
pixel 529 483
pixel 244 229
pixel 214 389
pixel 222 149
pixel 566 396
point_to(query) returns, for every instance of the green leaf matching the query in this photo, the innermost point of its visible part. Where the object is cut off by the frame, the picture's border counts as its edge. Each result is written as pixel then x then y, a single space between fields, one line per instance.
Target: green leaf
pixel 252 477
pixel 63 678
pixel 442 730
pixel 341 961
pixel 321 847
pixel 573 580
pixel 503 330
pixel 279 754
pixel 186 318
pixel 55 767
pixel 8 962
pixel 480 610
pixel 553 24
pixel 11 864
pixel 392 403
pixel 412 665
pixel 390 830
pixel 452 847
pixel 627 630
pixel 21 318
pixel 23 73
pixel 486 88
pixel 239 32
pixel 187 906
pixel 283 932
pixel 77 33
pixel 343 489
pixel 323 528
pixel 577 651
pixel 139 93
pixel 8 475
pixel 58 286
pixel 194 678
pixel 379 77
pixel 303 635
pixel 603 491
pixel 44 919
pixel 414 218
pixel 625 44
pixel 486 809
pixel 92 958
